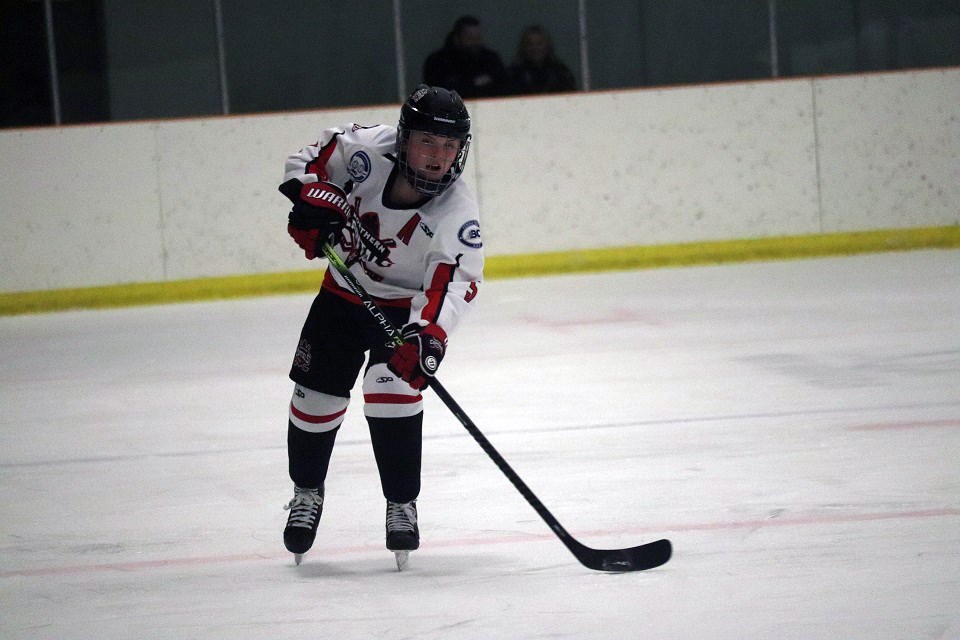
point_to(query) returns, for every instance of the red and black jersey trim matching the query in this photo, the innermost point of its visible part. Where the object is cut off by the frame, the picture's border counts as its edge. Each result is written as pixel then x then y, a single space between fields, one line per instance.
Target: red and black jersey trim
pixel 318 165
pixel 437 293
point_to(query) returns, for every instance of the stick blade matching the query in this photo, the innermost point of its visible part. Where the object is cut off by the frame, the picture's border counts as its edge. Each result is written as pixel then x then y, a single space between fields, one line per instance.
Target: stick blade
pixel 641 558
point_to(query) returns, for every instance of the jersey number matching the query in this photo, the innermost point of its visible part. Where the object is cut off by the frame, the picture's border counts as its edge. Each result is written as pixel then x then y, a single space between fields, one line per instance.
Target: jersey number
pixel 471 292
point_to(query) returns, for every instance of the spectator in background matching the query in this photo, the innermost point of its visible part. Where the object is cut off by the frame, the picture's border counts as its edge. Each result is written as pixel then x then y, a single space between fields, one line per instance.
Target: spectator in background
pixel 465 65
pixel 536 69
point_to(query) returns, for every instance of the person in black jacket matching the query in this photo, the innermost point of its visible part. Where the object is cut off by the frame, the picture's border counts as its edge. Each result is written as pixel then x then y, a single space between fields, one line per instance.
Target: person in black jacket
pixel 465 65
pixel 536 68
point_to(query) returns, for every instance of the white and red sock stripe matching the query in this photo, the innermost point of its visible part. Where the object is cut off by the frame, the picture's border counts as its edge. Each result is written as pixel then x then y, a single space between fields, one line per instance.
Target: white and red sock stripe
pixel 316 412
pixel 385 395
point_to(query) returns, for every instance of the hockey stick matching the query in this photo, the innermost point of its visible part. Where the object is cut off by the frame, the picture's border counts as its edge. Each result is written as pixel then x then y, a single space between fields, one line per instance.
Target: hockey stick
pixel 645 556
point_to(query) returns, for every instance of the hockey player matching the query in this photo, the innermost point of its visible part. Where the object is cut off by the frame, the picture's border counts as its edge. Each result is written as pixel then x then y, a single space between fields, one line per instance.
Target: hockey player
pixel 390 203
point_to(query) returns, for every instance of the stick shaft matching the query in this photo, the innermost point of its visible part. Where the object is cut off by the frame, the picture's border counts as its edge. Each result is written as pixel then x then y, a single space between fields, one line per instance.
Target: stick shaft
pixel 646 556
pixel 394 335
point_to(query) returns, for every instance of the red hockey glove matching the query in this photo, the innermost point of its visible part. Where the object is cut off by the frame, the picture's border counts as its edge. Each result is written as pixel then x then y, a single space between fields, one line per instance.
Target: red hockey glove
pixel 319 214
pixel 420 354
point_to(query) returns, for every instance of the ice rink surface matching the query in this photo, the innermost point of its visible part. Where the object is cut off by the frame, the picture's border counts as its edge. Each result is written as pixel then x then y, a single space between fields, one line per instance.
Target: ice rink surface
pixel 793 427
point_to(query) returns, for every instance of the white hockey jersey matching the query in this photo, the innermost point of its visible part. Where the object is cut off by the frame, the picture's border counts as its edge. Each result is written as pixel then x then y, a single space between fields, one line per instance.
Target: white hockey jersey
pixel 435 253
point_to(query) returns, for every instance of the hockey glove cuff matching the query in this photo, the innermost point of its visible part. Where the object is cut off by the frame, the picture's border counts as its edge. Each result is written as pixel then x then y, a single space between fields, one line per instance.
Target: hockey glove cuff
pixel 418 358
pixel 320 212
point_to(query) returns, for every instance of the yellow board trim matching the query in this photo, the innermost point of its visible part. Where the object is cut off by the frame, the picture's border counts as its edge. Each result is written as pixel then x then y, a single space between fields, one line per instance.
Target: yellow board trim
pixel 509 266
pixel 717 252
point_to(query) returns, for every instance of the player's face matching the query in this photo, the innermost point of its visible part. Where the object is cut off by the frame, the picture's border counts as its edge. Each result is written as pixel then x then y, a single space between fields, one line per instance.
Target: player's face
pixel 430 155
pixel 535 47
pixel 470 40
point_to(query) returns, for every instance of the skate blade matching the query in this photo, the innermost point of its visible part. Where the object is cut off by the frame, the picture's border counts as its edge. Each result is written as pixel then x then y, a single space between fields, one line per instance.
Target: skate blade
pixel 402 557
pixel 298 558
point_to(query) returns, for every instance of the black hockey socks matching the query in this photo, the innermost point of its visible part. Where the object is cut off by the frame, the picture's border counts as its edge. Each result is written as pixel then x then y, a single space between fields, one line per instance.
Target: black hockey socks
pixel 309 455
pixel 397 448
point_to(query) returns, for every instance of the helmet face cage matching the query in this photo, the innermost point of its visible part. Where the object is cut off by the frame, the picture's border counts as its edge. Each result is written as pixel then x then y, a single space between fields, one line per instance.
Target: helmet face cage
pixel 422 184
pixel 438 112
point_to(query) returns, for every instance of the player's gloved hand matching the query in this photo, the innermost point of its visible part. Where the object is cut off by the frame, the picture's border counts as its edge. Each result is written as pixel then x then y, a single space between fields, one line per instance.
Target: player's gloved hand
pixel 319 214
pixel 420 354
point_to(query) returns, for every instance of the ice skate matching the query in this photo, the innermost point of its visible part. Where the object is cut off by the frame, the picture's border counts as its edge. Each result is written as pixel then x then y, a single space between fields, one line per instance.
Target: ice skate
pixel 403 534
pixel 301 529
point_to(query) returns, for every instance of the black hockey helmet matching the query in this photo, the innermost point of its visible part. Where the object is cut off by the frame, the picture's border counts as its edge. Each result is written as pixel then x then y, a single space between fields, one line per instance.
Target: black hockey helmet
pixel 440 112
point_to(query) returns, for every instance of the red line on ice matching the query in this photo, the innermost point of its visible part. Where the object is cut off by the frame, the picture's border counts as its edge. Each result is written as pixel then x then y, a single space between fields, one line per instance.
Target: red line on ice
pixel 919 424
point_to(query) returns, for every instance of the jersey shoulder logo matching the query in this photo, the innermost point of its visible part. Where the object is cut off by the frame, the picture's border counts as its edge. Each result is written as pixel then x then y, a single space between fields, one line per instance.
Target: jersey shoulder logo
pixel 470 234
pixel 359 166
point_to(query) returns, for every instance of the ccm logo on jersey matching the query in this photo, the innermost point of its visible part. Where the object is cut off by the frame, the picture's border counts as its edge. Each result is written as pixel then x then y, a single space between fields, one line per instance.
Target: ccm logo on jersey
pixel 470 234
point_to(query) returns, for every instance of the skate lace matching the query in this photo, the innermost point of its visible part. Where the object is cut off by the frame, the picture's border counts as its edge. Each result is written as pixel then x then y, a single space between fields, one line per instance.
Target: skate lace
pixel 304 507
pixel 401 516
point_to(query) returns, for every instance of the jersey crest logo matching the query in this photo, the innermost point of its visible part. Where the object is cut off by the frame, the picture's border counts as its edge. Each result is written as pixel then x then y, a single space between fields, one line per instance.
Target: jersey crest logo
pixel 363 244
pixel 359 166
pixel 470 234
